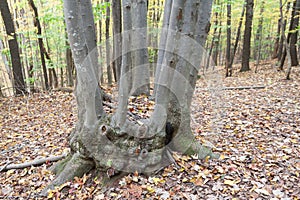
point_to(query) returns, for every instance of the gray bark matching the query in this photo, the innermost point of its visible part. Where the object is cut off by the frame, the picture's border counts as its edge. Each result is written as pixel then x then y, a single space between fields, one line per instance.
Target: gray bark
pixel 114 144
pixel 140 68
pixel 107 44
pixel 163 40
pixel 117 29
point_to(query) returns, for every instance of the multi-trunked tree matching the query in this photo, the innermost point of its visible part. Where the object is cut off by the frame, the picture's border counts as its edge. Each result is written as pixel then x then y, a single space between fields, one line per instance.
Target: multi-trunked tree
pixel 112 143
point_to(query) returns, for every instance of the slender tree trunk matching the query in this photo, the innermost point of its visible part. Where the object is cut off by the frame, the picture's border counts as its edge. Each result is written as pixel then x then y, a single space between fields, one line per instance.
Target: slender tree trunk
pixel 258 37
pixel 214 38
pixel 237 39
pixel 117 42
pixel 107 44
pixel 228 43
pixel 276 45
pixel 294 33
pixel 247 36
pixel 101 75
pixel 40 41
pixel 19 83
pixel 281 51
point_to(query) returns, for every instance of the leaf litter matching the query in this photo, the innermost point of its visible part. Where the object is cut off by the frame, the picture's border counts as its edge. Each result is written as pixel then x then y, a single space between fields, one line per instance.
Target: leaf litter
pixel 256 132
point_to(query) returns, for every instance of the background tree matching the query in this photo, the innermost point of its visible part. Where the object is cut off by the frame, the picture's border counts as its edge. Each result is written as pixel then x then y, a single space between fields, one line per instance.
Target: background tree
pixel 19 84
pixel 247 36
pixel 107 45
pixel 228 44
pixel 41 43
pixel 117 40
pixel 294 33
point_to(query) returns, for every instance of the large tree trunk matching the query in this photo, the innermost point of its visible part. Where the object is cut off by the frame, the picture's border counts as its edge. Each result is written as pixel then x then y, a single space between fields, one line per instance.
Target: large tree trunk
pixel 114 144
pixel 19 84
pixel 247 36
pixel 140 68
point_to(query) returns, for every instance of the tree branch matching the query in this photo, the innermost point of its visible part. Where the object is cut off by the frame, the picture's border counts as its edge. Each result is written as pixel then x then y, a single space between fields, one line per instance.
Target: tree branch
pixel 37 162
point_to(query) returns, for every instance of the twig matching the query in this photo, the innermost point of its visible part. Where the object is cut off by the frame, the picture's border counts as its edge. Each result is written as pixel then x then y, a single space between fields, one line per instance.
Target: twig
pixel 38 162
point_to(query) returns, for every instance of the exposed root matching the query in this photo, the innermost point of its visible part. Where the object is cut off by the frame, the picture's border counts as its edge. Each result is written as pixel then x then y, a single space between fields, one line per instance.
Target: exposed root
pixel 77 166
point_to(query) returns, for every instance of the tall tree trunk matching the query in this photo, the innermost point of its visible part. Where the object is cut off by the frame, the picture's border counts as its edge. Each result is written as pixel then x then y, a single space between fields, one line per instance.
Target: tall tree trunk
pixel 117 42
pixel 258 36
pixel 162 44
pixel 19 83
pixel 281 50
pixel 40 41
pixel 276 45
pixel 101 75
pixel 107 44
pixel 140 68
pixel 214 38
pixel 294 33
pixel 237 38
pixel 247 36
pixel 228 43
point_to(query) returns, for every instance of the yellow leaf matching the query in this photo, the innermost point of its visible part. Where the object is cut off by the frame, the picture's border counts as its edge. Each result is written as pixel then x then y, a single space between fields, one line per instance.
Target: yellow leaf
pixel 156 180
pixel 229 182
pixel 50 194
pixel 267 117
pixel 184 180
pixel 150 189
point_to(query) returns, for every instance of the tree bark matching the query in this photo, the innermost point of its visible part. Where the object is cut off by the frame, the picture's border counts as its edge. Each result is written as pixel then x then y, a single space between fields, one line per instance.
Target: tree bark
pixel 113 144
pixel 117 40
pixel 140 68
pixel 107 45
pixel 247 36
pixel 37 24
pixel 294 33
pixel 228 43
pixel 258 37
pixel 19 84
pixel 237 39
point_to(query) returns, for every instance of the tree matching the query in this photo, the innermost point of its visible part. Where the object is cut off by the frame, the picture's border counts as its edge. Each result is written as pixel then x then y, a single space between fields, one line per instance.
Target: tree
pixel 41 43
pixel 19 84
pixel 258 36
pixel 247 36
pixel 140 62
pixel 114 144
pixel 107 45
pixel 228 44
pixel 294 33
pixel 117 42
pixel 237 39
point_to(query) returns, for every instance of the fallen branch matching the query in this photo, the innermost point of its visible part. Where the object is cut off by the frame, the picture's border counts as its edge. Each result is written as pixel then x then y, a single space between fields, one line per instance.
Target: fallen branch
pixel 244 87
pixel 37 162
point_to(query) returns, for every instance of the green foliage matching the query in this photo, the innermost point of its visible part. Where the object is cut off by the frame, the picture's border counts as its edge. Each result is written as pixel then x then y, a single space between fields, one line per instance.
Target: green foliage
pixel 99 10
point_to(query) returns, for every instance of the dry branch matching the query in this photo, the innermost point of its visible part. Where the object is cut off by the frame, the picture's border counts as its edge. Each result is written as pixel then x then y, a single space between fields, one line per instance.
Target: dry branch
pixel 37 162
pixel 244 87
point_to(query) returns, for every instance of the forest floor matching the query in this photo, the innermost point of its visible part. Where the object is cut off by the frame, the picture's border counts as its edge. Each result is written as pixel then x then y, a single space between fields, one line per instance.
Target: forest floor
pixel 256 131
